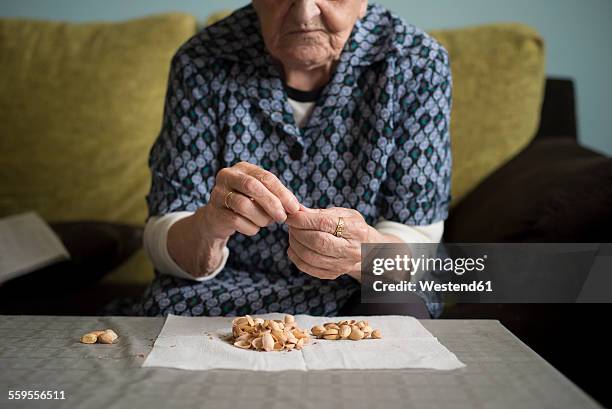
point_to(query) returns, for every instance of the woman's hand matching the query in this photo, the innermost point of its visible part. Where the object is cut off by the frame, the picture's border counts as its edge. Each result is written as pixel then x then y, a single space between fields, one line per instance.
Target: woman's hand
pixel 245 199
pixel 314 248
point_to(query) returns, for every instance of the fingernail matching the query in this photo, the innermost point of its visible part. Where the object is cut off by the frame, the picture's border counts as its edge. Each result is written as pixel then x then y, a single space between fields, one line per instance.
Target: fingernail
pixel 281 216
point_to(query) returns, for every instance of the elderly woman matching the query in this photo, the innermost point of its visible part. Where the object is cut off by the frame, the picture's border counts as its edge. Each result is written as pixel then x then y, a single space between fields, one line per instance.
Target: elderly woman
pixel 294 131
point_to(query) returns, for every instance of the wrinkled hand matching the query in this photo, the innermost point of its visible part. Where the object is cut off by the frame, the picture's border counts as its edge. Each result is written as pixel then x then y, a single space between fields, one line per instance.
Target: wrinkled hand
pixel 256 198
pixel 315 250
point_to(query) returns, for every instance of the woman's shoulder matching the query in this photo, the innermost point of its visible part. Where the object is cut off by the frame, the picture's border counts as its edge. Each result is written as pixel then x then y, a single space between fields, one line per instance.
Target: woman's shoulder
pixel 235 38
pixel 396 38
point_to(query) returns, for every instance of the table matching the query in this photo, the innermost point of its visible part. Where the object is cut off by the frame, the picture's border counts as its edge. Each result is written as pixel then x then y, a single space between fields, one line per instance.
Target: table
pixel 44 353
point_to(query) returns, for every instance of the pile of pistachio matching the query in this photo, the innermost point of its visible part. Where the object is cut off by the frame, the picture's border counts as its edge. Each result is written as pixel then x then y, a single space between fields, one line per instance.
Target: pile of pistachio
pixel 268 335
pixel 346 329
pixel 278 335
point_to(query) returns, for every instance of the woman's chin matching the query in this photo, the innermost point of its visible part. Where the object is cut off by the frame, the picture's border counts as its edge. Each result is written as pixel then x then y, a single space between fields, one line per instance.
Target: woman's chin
pixel 305 57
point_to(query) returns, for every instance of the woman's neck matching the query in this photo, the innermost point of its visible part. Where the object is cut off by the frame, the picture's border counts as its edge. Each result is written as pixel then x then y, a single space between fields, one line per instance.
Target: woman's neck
pixel 308 79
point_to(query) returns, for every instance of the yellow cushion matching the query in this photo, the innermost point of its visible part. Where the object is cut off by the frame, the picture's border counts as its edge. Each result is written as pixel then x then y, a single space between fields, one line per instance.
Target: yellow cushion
pixel 80 107
pixel 215 17
pixel 138 270
pixel 499 77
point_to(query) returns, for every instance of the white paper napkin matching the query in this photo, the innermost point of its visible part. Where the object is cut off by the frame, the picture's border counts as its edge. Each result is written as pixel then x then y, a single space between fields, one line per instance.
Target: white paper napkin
pixel 201 343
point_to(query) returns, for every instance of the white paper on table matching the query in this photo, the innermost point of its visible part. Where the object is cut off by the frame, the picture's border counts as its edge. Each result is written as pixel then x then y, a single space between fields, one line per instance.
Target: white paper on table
pixel 201 343
pixel 27 243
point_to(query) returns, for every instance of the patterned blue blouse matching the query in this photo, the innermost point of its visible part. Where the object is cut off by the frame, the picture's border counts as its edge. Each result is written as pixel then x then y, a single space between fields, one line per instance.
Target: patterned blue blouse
pixel 377 141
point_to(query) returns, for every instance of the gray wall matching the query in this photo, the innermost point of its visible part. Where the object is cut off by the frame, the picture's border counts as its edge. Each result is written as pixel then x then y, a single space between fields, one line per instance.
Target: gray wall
pixel 577 32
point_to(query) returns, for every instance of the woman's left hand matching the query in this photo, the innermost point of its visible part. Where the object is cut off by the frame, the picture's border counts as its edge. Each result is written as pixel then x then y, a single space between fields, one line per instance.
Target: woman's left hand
pixel 314 248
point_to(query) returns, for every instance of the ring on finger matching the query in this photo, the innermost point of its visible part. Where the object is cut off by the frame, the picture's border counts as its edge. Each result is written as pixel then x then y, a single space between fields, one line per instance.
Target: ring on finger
pixel 339 227
pixel 226 199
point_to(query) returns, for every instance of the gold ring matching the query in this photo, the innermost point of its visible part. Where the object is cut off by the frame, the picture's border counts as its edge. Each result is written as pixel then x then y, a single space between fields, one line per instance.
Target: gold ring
pixel 339 227
pixel 227 196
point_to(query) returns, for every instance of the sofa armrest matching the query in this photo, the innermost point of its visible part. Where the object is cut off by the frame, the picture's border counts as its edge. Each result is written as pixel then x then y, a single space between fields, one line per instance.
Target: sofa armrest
pixel 96 248
pixel 553 191
pixel 558 118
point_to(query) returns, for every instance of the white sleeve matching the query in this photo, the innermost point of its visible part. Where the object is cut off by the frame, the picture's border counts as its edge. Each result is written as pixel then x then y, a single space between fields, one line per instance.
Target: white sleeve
pixel 414 234
pixel 155 244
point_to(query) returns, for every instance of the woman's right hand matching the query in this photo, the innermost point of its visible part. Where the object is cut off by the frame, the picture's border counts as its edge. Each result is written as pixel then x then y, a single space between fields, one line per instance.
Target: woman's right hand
pixel 245 199
pixel 258 199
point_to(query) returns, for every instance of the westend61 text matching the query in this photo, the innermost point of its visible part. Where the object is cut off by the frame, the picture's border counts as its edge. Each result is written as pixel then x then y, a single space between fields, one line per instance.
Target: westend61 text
pixel 407 286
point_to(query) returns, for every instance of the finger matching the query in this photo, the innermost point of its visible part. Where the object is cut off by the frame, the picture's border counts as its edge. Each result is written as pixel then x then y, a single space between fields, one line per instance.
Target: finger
pixel 318 241
pixel 313 257
pixel 328 244
pixel 317 219
pixel 239 223
pixel 309 269
pixel 308 209
pixel 251 187
pixel 274 185
pixel 247 208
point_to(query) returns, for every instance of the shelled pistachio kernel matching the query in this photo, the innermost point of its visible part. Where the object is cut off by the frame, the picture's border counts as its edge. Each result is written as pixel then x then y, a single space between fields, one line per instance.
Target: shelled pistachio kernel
pixel 268 335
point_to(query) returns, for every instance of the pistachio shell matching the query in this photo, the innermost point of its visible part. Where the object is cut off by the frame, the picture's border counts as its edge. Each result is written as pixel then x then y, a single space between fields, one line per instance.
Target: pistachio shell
pixel 245 337
pixel 332 326
pixel 108 337
pixel 268 342
pixel 356 334
pixel 317 330
pixel 268 335
pixel 243 344
pixel 239 321
pixel 299 334
pixel 331 337
pixel 279 336
pixel 89 338
pixel 345 331
pixel 367 330
pixel 257 343
pixel 376 334
pixel 331 331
